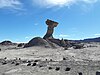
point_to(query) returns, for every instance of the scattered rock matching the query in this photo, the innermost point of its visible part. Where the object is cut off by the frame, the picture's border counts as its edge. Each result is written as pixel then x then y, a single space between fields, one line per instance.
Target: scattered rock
pixel 46 59
pixel 64 58
pixel 4 62
pixel 17 63
pixel 51 60
pixel 19 59
pixel 40 65
pixel 63 43
pixel 24 61
pixel 12 62
pixel 57 68
pixel 5 58
pixel 65 48
pixel 49 68
pixel 80 73
pixel 36 60
pixel 34 64
pixel 29 64
pixel 67 69
pixel 29 61
pixel 21 45
pixel 78 46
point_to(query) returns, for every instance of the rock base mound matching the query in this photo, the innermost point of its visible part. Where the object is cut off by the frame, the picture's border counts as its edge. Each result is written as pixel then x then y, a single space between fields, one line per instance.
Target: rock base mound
pixel 38 41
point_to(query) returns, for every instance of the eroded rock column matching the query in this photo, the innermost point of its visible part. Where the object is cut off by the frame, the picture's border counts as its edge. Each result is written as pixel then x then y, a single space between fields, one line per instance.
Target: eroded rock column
pixel 51 24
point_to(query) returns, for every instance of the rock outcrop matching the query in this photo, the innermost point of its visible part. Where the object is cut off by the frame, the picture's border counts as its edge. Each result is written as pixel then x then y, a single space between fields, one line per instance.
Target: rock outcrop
pixel 6 43
pixel 51 24
pixel 45 41
pixel 63 43
pixel 38 41
pixel 48 41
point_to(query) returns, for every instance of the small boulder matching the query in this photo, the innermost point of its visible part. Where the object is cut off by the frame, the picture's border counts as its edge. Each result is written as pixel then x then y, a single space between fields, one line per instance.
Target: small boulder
pixel 67 69
pixel 0 49
pixel 20 45
pixel 49 68
pixel 57 68
pixel 17 63
pixel 29 64
pixel 34 64
pixel 3 63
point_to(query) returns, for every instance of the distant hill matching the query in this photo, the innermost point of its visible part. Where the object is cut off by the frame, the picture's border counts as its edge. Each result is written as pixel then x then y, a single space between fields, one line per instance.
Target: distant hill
pixel 89 40
pixel 7 42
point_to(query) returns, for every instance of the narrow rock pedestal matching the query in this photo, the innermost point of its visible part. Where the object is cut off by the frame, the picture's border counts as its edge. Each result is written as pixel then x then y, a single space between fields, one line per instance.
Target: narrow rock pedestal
pixel 51 24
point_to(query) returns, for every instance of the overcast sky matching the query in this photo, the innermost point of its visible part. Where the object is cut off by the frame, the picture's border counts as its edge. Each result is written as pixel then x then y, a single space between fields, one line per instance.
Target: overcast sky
pixel 21 20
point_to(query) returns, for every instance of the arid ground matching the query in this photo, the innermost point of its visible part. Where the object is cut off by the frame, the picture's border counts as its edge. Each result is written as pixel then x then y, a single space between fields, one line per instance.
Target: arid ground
pixel 47 61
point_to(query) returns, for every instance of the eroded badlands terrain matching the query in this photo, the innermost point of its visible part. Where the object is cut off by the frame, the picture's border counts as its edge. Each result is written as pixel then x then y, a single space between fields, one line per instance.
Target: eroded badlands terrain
pixel 47 61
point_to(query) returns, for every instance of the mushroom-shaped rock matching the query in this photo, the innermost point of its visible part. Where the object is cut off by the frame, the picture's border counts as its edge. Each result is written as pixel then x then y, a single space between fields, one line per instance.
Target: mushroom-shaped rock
pixel 51 24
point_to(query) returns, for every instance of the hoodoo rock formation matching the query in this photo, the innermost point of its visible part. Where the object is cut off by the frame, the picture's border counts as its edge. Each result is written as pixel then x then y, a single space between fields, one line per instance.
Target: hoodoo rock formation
pixel 51 24
pixel 45 41
pixel 48 41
